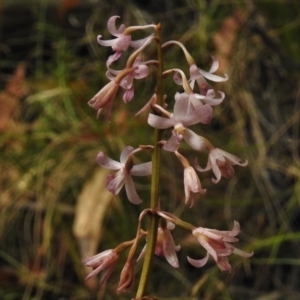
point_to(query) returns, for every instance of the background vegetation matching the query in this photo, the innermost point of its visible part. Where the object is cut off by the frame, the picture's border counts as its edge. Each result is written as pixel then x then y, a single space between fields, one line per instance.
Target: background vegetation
pixel 54 209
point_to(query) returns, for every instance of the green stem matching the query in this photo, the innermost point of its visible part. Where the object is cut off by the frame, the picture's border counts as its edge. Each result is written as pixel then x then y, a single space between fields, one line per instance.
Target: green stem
pixel 156 165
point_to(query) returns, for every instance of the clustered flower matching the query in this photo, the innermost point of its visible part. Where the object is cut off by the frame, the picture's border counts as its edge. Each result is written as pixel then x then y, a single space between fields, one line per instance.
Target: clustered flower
pixel 193 105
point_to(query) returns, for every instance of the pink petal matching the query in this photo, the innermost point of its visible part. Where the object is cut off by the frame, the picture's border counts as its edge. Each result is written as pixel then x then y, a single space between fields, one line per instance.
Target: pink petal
pixel 141 72
pixel 215 65
pixel 214 77
pixel 144 169
pixel 194 140
pixel 234 159
pixel 125 153
pixel 113 58
pixel 139 43
pixel 242 253
pixel 169 249
pixel 107 274
pixel 96 259
pixel 207 246
pixel 223 264
pixel 197 166
pixel 107 162
pixel 111 26
pixel 172 144
pixel 194 72
pixel 131 191
pixel 142 254
pixel 115 182
pixel 127 82
pixel 177 79
pixel 160 122
pixel 209 100
pixel 209 233
pixel 236 229
pixel 180 107
pixel 128 95
pixel 107 43
pixel 198 263
pixel 121 43
pixel 216 171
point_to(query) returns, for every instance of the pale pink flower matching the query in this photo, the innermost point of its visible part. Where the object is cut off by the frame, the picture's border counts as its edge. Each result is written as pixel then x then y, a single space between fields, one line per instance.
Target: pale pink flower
pixel 221 163
pixel 104 260
pixel 198 75
pixel 192 185
pixel 123 37
pixel 207 94
pixel 140 70
pixel 184 115
pixel 105 98
pixel 217 245
pixel 165 246
pixel 125 169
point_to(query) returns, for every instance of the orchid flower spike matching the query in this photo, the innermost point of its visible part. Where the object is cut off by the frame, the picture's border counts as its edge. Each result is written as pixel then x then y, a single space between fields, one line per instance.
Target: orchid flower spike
pixel 217 245
pixel 104 260
pixel 184 115
pixel 221 163
pixel 125 168
pixel 192 184
pixel 123 37
pixel 165 246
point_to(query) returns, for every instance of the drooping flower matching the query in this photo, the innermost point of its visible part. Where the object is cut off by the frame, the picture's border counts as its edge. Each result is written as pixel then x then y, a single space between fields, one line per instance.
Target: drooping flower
pixel 184 115
pixel 125 169
pixel 106 96
pixel 192 184
pixel 221 163
pixel 217 245
pixel 104 260
pixel 123 37
pixel 165 246
pixel 126 278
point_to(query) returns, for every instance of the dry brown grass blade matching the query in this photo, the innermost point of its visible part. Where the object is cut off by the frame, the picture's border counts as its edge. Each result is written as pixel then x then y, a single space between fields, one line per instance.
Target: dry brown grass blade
pixel 92 204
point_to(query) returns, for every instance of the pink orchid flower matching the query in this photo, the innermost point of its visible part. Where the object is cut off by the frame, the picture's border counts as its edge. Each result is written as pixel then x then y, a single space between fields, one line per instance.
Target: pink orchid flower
pixel 207 94
pixel 165 246
pixel 198 75
pixel 192 185
pixel 217 245
pixel 125 169
pixel 221 163
pixel 184 115
pixel 123 37
pixel 139 70
pixel 105 98
pixel 104 260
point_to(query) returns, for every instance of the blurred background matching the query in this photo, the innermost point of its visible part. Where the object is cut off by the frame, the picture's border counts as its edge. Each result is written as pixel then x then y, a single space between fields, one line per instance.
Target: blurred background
pixel 54 208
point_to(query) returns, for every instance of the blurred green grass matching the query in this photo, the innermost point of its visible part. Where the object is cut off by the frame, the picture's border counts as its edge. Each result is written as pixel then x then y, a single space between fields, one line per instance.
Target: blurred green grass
pixel 51 138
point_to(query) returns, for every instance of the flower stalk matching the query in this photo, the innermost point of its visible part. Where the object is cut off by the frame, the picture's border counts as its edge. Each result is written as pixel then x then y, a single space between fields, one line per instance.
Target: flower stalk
pixel 156 166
